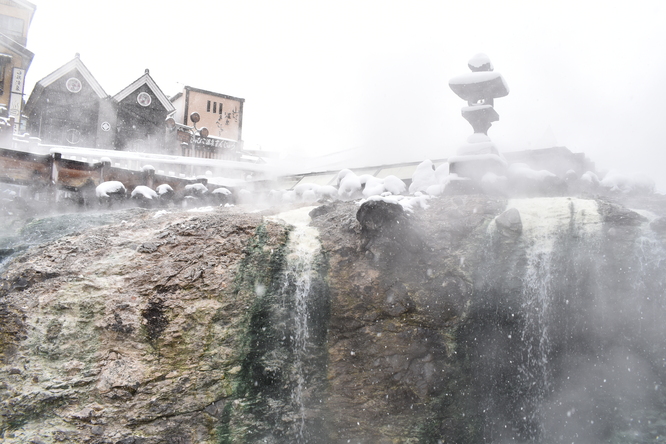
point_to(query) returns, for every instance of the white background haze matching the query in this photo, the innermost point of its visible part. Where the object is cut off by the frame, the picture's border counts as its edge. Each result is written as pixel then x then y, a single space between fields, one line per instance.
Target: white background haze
pixel 371 77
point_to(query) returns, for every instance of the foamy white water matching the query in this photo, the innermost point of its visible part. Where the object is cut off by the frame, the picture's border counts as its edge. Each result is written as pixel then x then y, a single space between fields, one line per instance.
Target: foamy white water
pixel 303 248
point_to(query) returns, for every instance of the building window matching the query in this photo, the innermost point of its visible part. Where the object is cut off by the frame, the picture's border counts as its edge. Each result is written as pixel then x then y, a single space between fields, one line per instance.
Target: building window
pixel 12 27
pixel 220 108
pixel 208 107
pixel 214 107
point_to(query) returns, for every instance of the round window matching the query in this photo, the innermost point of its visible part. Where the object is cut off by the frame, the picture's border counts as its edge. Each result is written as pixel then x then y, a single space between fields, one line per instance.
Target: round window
pixel 73 85
pixel 144 99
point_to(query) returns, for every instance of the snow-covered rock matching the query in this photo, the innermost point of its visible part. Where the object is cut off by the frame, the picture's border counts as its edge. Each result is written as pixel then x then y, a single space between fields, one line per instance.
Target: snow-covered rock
pixel 633 183
pixel 110 188
pixel 423 177
pixel 143 192
pixel 350 186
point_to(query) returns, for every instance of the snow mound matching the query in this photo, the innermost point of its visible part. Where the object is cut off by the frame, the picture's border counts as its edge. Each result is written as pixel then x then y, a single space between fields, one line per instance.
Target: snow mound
pixel 144 192
pixel 423 177
pixel 350 186
pixel 615 181
pixel 163 189
pixel 523 171
pixel 197 188
pixel 222 190
pixel 110 187
pixel 408 203
pixel 590 178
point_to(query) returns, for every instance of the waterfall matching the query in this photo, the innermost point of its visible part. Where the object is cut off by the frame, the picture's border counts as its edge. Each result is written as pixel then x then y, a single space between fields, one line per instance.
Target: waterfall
pixel 529 291
pixel 553 228
pixel 303 250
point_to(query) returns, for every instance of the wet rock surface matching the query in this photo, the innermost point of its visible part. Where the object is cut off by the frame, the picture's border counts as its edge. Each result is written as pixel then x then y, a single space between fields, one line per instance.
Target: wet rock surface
pixel 394 311
pixel 163 329
pixel 127 333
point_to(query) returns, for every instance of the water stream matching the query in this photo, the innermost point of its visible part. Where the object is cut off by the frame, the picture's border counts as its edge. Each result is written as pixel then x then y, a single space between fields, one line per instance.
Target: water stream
pixel 553 229
pixel 303 249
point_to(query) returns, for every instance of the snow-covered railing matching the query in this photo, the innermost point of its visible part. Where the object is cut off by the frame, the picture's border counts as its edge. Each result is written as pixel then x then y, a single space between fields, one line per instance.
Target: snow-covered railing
pixel 170 165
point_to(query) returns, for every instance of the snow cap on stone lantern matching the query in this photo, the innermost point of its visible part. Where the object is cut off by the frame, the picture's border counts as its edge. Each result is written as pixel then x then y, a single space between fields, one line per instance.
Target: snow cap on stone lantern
pixel 479 88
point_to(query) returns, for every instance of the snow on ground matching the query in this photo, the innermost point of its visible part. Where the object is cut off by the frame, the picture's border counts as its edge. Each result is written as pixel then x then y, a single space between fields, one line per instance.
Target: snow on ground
pixel 201 210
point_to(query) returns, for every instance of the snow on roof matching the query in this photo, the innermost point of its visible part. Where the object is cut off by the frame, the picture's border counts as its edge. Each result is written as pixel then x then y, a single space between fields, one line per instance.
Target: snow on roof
pixel 146 80
pixel 77 64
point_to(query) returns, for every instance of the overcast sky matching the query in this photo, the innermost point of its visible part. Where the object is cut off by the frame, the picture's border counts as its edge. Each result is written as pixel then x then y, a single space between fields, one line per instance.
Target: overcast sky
pixel 372 76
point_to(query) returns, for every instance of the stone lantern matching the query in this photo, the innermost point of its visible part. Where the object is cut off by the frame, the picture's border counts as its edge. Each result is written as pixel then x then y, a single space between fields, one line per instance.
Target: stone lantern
pixel 479 88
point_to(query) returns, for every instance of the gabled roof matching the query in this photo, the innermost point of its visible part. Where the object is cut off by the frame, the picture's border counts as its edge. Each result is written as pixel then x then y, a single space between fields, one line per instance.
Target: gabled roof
pixel 177 96
pixel 60 72
pixel 77 64
pixel 146 80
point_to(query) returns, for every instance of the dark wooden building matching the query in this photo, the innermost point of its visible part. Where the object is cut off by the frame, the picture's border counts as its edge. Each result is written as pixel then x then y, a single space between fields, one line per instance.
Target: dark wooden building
pixel 69 107
pixel 142 109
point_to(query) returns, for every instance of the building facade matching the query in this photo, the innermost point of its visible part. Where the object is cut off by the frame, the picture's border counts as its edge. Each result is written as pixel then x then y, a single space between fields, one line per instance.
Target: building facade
pixel 15 58
pixel 141 112
pixel 69 107
pixel 220 114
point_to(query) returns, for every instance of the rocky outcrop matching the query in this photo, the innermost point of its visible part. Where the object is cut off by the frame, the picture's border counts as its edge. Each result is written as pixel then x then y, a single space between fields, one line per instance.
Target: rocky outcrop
pixel 394 313
pixel 154 327
pixel 128 333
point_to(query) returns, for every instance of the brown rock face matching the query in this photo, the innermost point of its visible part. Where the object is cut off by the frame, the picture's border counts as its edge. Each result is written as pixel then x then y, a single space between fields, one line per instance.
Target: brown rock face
pixel 397 296
pixel 158 329
pixel 181 327
pixel 127 333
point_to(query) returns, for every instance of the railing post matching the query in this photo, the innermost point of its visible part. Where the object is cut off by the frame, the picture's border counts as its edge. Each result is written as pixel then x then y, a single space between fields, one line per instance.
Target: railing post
pixel 55 159
pixel 103 172
pixel 148 175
